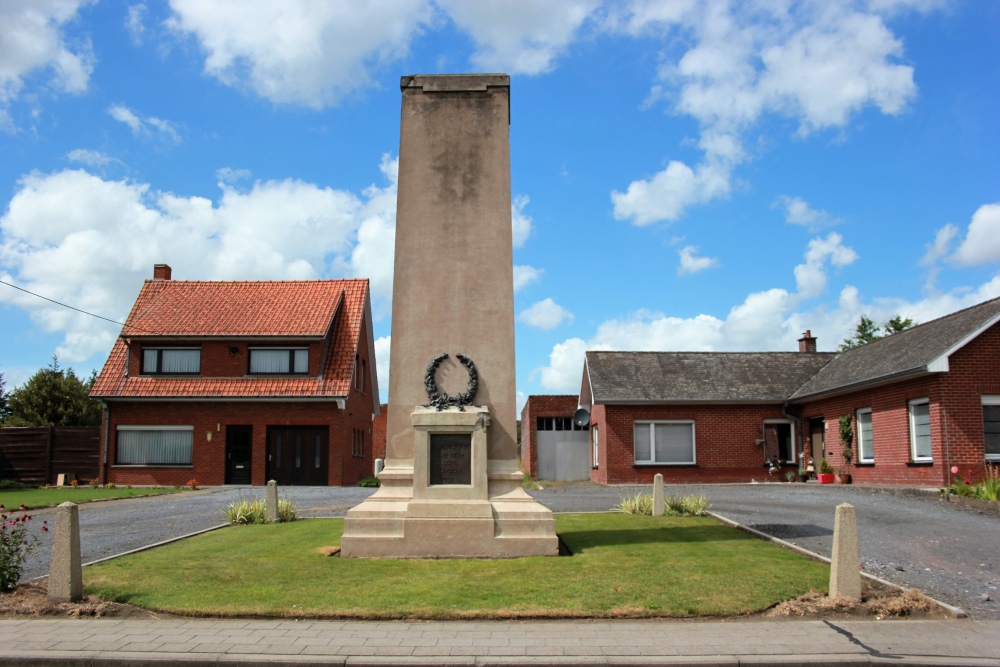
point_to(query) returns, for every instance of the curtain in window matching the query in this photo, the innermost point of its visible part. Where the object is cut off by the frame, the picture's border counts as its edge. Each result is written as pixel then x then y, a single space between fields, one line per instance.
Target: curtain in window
pixel 921 415
pixel 268 361
pixel 180 361
pixel 149 359
pixel 866 451
pixel 301 361
pixel 155 447
pixel 674 443
pixel 642 443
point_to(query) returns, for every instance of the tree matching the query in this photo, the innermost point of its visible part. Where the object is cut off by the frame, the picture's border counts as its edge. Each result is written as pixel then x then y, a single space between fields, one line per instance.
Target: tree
pixel 866 331
pixel 3 400
pixel 53 397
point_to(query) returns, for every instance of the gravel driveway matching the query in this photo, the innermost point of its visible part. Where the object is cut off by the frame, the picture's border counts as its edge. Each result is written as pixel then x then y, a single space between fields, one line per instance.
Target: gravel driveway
pixel 950 552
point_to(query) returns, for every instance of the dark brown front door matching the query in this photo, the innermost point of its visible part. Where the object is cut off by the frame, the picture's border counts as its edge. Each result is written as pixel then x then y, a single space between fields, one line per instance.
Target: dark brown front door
pixel 817 431
pixel 238 454
pixel 298 455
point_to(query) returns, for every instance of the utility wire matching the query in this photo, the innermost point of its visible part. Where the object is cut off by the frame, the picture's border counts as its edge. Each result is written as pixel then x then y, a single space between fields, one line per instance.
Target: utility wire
pixel 66 305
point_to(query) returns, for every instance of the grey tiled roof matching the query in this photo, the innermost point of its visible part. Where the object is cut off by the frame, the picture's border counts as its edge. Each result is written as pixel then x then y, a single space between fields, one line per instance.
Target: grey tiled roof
pixel 907 352
pixel 700 376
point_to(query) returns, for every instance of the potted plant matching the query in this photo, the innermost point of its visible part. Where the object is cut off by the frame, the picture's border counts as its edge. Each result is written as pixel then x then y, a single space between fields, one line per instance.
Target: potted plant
pixel 825 475
pixel 803 475
pixel 847 440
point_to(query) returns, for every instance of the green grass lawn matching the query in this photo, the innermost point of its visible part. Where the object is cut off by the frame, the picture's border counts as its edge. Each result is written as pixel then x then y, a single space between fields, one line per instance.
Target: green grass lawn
pixel 623 566
pixel 36 498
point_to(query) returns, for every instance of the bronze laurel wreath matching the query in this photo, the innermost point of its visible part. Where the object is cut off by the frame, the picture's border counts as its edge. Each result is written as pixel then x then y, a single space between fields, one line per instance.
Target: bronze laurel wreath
pixel 441 400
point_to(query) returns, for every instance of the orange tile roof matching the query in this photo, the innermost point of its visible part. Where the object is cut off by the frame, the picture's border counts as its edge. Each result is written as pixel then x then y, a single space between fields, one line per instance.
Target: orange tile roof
pixel 239 310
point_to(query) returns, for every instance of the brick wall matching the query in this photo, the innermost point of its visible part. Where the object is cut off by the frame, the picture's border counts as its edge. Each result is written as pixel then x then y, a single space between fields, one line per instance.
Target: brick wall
pixel 726 447
pixel 379 433
pixel 956 419
pixel 535 407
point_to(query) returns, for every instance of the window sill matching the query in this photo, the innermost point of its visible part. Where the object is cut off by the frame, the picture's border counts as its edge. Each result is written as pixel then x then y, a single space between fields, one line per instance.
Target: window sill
pixel 665 465
pixel 919 464
pixel 864 464
pixel 152 465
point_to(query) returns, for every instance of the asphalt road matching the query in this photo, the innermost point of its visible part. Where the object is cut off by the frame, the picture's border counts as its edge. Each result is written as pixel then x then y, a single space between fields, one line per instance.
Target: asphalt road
pixel 950 552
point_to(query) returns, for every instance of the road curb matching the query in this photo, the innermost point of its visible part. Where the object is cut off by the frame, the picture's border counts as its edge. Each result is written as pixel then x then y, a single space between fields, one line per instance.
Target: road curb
pixel 955 612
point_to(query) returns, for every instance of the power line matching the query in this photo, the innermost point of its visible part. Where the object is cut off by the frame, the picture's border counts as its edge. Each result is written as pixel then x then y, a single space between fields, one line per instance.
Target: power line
pixel 66 305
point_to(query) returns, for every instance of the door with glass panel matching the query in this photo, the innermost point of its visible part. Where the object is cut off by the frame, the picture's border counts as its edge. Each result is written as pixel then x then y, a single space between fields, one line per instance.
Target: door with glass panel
pixel 298 455
pixel 238 454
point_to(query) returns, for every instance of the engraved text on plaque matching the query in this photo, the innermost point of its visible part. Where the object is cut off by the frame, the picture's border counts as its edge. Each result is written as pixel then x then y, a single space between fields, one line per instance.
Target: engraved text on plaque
pixel 451 458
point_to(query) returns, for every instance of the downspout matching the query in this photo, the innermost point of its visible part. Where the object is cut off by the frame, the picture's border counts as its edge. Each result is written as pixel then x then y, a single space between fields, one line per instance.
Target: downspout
pixel 107 429
pixel 798 433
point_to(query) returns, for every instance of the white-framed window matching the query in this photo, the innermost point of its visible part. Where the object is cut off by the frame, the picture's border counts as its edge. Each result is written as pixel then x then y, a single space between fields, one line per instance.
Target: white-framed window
pixel 171 360
pixel 593 434
pixel 154 445
pixel 866 449
pixel 780 433
pixel 991 427
pixel 920 429
pixel 279 360
pixel 669 442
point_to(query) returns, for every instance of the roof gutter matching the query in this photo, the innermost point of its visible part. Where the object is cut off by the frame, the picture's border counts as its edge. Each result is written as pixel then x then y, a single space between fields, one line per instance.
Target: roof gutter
pixel 911 373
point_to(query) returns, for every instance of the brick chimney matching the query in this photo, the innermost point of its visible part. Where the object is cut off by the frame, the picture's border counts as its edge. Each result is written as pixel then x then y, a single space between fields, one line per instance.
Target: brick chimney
pixel 161 272
pixel 806 344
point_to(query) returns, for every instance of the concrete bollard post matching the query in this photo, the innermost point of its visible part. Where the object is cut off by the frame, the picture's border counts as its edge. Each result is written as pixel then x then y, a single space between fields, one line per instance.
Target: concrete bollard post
pixel 845 564
pixel 379 466
pixel 65 571
pixel 271 502
pixel 658 495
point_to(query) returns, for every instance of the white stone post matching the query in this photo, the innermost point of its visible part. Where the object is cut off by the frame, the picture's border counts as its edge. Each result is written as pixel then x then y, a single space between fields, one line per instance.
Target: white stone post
pixel 271 503
pixel 379 464
pixel 658 495
pixel 845 565
pixel 65 571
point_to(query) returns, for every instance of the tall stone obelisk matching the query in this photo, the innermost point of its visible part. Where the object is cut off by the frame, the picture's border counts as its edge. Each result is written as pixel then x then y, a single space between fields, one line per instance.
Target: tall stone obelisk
pixel 451 486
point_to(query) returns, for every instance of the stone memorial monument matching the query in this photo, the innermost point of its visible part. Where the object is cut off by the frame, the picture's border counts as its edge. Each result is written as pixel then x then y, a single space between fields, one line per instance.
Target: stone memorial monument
pixel 451 486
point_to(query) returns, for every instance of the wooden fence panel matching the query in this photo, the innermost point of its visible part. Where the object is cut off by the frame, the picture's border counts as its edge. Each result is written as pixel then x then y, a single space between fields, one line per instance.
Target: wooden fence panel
pixel 36 455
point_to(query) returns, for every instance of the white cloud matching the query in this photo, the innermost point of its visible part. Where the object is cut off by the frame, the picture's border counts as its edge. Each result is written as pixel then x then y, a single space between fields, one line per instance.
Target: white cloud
pixel 524 275
pixel 937 250
pixel 519 36
pixel 382 347
pixel 982 240
pixel 134 22
pixel 810 277
pixel 297 51
pixel 89 157
pixel 818 63
pixel 668 193
pixel 90 242
pixel 798 212
pixel 232 176
pixel 31 39
pixel 144 127
pixel 691 264
pixel 545 315
pixel 520 222
pixel 565 370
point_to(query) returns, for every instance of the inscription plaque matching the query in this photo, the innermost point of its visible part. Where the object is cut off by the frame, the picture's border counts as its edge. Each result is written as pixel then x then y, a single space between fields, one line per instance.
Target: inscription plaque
pixel 451 458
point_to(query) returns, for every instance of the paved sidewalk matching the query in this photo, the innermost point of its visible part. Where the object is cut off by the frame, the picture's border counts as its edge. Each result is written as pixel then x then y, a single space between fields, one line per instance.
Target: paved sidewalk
pixel 639 642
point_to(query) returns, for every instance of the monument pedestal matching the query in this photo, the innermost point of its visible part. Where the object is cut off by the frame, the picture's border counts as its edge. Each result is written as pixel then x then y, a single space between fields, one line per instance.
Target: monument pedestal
pixel 450 501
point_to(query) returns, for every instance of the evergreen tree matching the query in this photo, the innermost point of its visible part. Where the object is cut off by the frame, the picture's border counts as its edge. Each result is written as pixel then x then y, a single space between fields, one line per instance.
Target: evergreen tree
pixel 866 331
pixel 3 400
pixel 53 397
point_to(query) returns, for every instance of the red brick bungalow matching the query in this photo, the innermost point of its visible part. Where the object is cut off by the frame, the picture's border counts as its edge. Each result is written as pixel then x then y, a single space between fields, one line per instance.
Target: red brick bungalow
pixel 549 415
pixel 239 382
pixel 920 401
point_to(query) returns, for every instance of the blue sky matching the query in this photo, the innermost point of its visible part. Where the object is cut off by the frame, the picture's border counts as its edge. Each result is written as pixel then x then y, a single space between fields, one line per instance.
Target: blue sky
pixel 687 175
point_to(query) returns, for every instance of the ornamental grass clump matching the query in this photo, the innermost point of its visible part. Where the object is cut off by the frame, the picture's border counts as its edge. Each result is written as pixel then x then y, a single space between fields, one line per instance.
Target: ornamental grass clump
pixel 640 503
pixel 252 510
pixel 685 505
pixel 16 544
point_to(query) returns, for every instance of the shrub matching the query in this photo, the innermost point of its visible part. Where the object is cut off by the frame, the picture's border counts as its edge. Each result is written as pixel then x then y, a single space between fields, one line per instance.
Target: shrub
pixel 110 485
pixel 640 503
pixel 825 468
pixel 371 482
pixel 12 484
pixel 253 510
pixel 192 484
pixel 990 488
pixel 95 483
pixel 685 505
pixel 16 544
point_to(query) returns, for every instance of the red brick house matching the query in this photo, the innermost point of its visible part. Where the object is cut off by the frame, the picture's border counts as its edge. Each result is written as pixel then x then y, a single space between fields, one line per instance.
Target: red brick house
pixel 920 401
pixel 239 382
